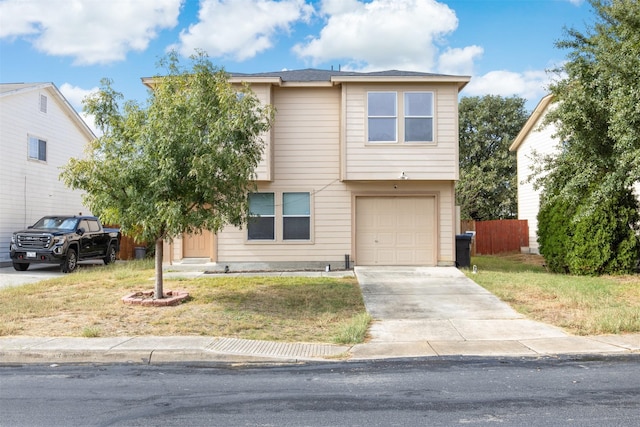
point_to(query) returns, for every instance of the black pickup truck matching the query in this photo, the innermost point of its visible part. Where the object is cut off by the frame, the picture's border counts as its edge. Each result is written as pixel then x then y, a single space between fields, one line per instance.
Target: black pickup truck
pixel 64 240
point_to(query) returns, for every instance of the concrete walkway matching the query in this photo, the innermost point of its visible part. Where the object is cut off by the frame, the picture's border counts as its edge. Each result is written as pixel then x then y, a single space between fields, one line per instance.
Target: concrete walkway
pixel 418 312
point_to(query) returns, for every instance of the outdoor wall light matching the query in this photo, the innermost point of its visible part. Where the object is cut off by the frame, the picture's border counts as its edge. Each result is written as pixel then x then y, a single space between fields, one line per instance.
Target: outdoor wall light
pixel 403 176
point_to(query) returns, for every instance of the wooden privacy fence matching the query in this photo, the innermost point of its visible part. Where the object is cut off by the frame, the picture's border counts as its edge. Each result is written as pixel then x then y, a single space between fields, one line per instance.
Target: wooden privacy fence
pixel 497 236
pixel 127 245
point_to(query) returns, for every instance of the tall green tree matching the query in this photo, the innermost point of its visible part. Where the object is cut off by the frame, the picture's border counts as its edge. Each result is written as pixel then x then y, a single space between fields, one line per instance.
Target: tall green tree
pixel 184 162
pixel 598 122
pixel 487 188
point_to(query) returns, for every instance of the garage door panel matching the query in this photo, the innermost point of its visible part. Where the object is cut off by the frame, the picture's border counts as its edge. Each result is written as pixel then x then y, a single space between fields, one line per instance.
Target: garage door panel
pixel 395 230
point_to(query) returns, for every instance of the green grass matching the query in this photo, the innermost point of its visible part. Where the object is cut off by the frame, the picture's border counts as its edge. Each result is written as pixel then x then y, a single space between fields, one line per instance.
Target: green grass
pixel 581 305
pixel 88 303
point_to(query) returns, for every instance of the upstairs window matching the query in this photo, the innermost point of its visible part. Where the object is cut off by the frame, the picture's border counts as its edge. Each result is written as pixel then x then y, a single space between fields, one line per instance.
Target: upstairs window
pixel 408 118
pixel 296 216
pixel 37 149
pixel 261 224
pixel 382 110
pixel 418 116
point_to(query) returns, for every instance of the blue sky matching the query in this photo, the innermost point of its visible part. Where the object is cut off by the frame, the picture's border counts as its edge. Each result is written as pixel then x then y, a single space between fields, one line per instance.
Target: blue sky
pixel 504 45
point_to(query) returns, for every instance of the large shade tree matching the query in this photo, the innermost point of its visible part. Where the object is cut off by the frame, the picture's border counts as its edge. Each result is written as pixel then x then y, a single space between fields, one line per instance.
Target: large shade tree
pixel 598 122
pixel 182 163
pixel 487 187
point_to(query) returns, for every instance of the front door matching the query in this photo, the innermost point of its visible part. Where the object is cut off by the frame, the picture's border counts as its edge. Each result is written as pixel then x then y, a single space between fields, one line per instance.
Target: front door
pixel 198 245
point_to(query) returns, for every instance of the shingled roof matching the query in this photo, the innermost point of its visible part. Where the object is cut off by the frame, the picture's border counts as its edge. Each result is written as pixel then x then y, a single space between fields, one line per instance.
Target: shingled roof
pixel 316 75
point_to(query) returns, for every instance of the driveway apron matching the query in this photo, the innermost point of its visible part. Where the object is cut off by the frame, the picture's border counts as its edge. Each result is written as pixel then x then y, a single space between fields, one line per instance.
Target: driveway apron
pixel 411 304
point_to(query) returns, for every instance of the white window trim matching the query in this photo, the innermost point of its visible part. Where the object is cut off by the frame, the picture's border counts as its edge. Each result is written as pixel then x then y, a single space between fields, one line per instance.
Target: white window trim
pixel 46 149
pixel 395 117
pixel 432 117
pixel 400 119
pixel 279 220
pixel 275 222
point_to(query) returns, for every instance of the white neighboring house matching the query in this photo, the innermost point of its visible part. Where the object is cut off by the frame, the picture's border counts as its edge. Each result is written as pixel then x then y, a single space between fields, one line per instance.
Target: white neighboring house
pixel 39 132
pixel 532 142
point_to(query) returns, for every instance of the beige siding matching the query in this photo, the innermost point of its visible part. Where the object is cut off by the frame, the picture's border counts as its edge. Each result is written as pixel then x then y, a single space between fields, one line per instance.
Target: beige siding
pixel 333 224
pixel 264 169
pixel 305 158
pixel 432 161
pixel 31 189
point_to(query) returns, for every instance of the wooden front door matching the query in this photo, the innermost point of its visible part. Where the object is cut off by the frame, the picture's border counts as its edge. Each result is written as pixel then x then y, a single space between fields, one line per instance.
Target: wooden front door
pixel 198 245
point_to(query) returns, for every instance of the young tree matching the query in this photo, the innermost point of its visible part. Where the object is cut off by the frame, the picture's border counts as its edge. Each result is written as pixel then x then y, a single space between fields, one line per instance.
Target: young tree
pixel 487 187
pixel 598 122
pixel 183 163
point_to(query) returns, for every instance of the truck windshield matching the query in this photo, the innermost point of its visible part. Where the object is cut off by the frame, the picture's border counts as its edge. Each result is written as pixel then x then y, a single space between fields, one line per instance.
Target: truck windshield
pixel 57 223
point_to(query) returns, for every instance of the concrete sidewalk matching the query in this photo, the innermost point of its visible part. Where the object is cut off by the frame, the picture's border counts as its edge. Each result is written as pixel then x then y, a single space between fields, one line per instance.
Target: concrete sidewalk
pixel 418 312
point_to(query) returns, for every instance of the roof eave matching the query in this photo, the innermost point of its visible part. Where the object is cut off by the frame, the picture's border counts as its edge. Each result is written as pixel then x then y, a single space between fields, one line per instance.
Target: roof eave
pixel 531 121
pixel 461 81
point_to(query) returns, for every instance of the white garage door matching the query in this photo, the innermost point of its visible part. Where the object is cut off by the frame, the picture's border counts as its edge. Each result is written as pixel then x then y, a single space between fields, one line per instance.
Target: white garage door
pixel 395 231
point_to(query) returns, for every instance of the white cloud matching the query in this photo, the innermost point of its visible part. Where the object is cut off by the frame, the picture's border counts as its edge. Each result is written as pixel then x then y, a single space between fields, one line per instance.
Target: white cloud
pixel 90 31
pixel 459 61
pixel 75 95
pixel 380 34
pixel 240 28
pixel 530 85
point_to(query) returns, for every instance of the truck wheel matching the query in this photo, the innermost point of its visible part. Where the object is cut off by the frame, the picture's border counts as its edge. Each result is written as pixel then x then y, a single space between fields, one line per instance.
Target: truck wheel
pixel 20 266
pixel 71 262
pixel 111 255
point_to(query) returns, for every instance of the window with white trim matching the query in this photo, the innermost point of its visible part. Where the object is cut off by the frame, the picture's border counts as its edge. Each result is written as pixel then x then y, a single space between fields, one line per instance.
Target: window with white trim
pixel 37 149
pixel 261 224
pixel 296 216
pixel 382 110
pixel 415 108
pixel 418 116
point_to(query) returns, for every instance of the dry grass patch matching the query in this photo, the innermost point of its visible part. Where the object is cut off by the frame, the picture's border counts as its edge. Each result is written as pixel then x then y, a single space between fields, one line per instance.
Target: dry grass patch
pixel 581 305
pixel 88 303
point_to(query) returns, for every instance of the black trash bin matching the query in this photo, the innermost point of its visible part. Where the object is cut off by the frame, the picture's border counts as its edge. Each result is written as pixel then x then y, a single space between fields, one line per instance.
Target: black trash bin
pixel 463 250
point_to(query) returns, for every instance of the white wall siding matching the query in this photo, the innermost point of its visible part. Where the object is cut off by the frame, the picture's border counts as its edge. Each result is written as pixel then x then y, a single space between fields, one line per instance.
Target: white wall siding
pixel 539 141
pixel 30 189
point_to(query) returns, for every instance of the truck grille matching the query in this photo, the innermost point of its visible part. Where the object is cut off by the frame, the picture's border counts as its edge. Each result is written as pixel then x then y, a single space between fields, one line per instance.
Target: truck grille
pixel 34 241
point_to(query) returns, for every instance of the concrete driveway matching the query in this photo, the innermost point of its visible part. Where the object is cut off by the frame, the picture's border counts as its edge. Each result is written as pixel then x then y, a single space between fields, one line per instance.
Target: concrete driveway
pixel 36 273
pixel 438 310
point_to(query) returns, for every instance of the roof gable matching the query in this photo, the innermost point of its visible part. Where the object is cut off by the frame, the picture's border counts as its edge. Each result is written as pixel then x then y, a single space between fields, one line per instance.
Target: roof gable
pixel 9 89
pixel 538 112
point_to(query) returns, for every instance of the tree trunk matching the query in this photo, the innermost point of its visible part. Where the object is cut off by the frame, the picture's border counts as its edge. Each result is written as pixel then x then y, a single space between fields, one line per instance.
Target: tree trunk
pixel 159 293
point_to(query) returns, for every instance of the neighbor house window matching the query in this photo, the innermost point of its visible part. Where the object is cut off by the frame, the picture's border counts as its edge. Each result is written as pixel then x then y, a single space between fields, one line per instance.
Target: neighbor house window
pixel 296 216
pixel 418 116
pixel 382 113
pixel 261 224
pixel 37 149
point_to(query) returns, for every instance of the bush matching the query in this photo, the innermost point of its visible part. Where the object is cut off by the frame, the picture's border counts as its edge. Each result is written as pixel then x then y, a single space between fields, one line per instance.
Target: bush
pixel 601 241
pixel 554 234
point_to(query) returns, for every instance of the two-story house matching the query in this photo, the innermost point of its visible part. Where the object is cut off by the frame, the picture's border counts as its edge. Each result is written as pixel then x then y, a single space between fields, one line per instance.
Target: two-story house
pixel 359 169
pixel 39 132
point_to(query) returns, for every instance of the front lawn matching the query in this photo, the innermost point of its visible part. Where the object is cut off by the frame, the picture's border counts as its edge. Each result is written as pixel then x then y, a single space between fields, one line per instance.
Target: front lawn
pixel 581 305
pixel 88 303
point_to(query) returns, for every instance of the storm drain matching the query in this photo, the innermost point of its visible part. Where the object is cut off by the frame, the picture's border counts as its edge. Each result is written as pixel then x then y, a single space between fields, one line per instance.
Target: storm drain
pixel 277 349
